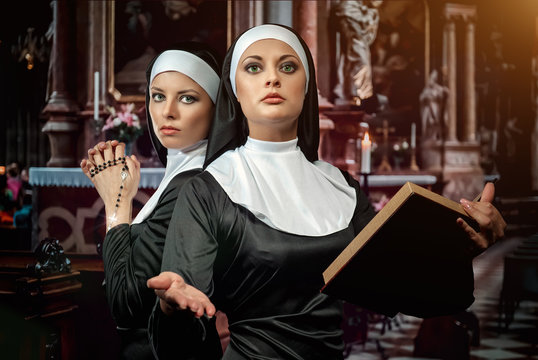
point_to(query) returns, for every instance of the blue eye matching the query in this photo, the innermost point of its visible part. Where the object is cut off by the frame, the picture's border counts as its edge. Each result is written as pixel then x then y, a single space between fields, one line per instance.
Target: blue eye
pixel 288 68
pixel 253 68
pixel 158 97
pixel 187 99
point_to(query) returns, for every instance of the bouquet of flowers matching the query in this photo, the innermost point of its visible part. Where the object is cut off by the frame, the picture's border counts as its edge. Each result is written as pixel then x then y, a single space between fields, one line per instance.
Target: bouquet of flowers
pixel 123 125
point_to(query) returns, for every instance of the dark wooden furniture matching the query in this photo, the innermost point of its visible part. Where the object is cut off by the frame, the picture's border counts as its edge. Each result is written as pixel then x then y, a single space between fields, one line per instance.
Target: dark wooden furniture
pixel 60 316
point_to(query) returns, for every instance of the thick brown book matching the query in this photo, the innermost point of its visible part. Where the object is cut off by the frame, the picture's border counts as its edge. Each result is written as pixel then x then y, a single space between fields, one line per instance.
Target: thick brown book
pixel 412 258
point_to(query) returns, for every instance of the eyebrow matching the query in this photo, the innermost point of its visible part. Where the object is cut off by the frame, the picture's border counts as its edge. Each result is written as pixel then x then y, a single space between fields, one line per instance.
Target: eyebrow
pixel 154 88
pixel 258 57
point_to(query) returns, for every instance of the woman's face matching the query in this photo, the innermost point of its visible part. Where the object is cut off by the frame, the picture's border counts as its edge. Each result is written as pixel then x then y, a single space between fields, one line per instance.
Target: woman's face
pixel 270 82
pixel 180 109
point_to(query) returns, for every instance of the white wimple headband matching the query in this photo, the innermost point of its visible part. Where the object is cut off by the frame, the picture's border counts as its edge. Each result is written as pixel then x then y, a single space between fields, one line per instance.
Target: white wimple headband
pixel 190 65
pixel 266 32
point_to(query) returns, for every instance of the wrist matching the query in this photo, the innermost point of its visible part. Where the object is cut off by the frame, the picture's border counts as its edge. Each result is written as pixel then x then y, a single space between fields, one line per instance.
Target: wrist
pixel 115 215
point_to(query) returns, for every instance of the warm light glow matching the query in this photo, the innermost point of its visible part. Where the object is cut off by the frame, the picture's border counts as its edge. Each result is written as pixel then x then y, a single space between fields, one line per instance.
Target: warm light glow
pixel 366 137
pixel 30 59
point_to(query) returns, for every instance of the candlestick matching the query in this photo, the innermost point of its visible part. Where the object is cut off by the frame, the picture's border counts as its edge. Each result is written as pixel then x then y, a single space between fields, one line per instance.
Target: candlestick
pixel 366 148
pixel 413 135
pixel 96 95
pixel 414 166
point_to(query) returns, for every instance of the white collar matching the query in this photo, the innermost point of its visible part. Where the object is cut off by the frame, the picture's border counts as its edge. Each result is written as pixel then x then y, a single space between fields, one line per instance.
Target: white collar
pixel 177 161
pixel 275 182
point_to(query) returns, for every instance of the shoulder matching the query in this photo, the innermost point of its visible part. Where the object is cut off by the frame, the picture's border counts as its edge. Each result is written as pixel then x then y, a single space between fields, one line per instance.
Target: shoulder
pixel 336 173
pixel 177 183
pixel 204 181
pixel 181 178
pixel 202 184
pixel 224 164
pixel 204 193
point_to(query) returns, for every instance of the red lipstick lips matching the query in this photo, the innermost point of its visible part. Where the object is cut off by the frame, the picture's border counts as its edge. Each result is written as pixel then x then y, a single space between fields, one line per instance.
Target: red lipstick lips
pixel 169 130
pixel 273 98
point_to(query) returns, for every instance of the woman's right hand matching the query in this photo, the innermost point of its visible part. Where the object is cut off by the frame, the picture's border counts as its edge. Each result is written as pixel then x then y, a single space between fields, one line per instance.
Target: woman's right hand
pixel 175 294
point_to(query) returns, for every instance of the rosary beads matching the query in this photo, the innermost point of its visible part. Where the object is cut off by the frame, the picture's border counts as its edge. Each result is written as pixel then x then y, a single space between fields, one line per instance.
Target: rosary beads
pixel 106 164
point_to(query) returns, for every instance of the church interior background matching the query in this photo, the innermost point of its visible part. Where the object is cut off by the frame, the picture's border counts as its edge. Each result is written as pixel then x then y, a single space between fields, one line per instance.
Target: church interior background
pixel 446 91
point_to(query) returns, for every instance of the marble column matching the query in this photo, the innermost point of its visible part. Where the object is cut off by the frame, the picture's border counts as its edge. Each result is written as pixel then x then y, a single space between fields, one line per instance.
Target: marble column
pixel 469 89
pixel 452 75
pixel 306 23
pixel 462 174
pixel 62 127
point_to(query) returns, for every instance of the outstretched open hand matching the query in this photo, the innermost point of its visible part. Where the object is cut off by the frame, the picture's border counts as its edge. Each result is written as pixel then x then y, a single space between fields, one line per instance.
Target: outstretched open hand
pixel 492 224
pixel 175 294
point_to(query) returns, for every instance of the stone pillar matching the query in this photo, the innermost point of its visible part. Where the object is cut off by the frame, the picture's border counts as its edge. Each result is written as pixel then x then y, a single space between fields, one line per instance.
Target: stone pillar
pixel 305 21
pixel 462 173
pixel 469 90
pixel 62 126
pixel 452 91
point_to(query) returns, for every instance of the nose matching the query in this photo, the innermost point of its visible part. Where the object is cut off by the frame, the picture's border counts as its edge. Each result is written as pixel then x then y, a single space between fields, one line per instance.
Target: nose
pixel 170 110
pixel 273 79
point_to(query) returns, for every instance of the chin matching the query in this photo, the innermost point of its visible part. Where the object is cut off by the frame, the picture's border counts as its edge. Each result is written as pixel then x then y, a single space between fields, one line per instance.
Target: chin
pixel 171 144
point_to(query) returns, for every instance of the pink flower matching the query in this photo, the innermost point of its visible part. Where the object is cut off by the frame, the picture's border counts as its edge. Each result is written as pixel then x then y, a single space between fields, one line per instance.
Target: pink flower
pixel 126 118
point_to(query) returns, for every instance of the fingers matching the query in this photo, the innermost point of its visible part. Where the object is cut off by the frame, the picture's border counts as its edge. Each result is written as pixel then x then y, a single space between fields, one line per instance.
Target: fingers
pixel 481 212
pixel 175 294
pixel 133 165
pixel 107 152
pixel 163 280
pixel 103 154
pixel 489 219
pixel 210 309
pixel 119 150
pixel 85 165
pixel 479 241
pixel 91 153
pixel 97 156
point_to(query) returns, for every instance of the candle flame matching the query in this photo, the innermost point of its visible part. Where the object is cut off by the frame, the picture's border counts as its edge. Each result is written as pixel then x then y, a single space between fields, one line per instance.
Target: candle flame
pixel 366 136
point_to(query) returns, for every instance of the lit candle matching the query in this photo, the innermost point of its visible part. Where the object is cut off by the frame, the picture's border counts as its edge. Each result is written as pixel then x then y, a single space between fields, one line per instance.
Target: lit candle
pixel 366 148
pixel 96 95
pixel 413 135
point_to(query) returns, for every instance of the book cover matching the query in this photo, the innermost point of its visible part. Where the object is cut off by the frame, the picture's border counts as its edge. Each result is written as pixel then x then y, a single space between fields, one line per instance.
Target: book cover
pixel 412 258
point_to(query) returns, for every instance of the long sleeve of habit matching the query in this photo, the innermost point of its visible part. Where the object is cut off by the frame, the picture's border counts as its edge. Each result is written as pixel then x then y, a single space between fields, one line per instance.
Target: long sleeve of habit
pixel 182 335
pixel 132 254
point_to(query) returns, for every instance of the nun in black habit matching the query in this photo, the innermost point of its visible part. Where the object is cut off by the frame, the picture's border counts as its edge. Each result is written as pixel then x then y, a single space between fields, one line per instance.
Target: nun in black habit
pixel 182 89
pixel 257 228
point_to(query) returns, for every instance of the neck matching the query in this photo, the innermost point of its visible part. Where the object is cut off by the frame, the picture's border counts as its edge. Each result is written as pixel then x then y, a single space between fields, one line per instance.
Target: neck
pixel 272 133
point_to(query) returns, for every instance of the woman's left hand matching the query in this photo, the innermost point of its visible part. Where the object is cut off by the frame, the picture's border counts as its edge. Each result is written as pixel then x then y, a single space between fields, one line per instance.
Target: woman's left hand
pixel 175 294
pixel 492 224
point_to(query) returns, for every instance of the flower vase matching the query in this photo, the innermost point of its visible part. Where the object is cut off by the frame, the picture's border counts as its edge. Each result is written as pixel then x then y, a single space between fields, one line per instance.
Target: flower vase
pixel 129 148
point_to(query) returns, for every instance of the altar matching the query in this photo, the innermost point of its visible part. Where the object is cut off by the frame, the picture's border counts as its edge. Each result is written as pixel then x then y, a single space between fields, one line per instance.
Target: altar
pixel 69 209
